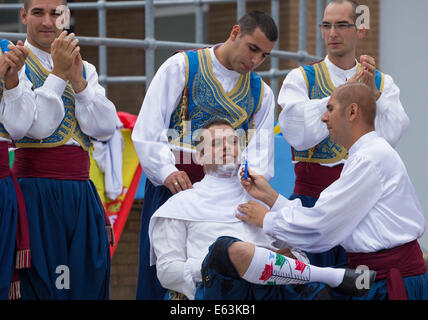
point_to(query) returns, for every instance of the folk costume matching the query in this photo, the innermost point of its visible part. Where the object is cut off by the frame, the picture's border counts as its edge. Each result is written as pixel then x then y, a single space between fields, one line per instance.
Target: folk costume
pixel 318 161
pixel 190 89
pixel 14 236
pixel 372 211
pixel 69 243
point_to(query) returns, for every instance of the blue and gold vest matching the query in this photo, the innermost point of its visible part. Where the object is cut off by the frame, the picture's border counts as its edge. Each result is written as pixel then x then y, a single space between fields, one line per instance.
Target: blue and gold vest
pixel 69 127
pixel 204 98
pixel 320 86
pixel 3 48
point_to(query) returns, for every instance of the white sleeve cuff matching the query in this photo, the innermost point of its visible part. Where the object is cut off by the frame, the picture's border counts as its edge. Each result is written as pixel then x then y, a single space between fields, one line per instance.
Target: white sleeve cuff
pixel 268 223
pixel 85 96
pixel 55 84
pixel 12 94
pixel 166 171
pixel 280 202
pixel 191 276
pixel 381 104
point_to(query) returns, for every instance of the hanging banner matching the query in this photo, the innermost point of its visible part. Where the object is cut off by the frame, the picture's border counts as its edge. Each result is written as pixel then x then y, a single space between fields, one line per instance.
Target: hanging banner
pixel 118 209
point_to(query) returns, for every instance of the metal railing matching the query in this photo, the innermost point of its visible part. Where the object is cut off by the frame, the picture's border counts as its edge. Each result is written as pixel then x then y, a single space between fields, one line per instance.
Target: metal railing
pixel 150 44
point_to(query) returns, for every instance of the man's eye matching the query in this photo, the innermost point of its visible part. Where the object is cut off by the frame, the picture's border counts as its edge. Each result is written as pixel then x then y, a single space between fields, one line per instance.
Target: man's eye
pixel 253 49
pixel 342 26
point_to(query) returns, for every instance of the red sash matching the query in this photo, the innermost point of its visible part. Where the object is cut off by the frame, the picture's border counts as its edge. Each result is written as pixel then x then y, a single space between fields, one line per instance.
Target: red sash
pixel 61 163
pixel 313 178
pixel 22 255
pixel 392 264
pixel 193 170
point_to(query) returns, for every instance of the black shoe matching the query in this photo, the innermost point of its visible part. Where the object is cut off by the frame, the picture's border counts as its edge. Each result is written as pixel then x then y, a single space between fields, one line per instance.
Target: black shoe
pixel 349 285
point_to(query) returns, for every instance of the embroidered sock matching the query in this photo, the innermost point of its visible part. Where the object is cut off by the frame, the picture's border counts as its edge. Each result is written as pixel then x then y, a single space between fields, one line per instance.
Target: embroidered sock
pixel 268 267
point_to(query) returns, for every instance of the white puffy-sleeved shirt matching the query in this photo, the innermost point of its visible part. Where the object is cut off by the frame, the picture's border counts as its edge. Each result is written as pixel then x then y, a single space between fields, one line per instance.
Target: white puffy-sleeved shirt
pixel 17 111
pixel 300 118
pixel 94 112
pixel 371 207
pixel 150 132
pixel 182 230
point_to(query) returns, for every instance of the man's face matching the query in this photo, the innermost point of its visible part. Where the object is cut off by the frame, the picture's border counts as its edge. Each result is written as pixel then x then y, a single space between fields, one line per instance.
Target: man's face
pixel 340 42
pixel 334 118
pixel 220 146
pixel 249 50
pixel 40 19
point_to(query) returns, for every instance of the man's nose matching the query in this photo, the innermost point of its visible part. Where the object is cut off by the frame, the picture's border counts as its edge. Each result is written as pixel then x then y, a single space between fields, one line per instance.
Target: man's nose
pixel 257 59
pixel 324 117
pixel 333 31
pixel 48 20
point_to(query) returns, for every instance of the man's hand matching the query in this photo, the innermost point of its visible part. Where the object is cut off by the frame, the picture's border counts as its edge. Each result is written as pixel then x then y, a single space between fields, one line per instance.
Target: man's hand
pixel 258 187
pixel 254 213
pixel 356 77
pixel 15 59
pixel 4 66
pixel 75 75
pixel 369 73
pixel 178 181
pixel 64 51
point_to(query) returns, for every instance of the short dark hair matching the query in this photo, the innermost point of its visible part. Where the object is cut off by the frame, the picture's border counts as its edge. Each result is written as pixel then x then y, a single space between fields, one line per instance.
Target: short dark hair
pixel 354 5
pixel 27 3
pixel 258 19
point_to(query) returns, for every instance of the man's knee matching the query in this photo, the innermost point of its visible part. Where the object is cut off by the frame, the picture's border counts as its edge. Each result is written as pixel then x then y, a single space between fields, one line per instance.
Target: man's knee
pixel 241 254
pixel 217 258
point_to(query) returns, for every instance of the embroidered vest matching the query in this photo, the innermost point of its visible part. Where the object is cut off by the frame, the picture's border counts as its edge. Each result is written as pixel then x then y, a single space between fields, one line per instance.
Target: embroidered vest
pixel 204 99
pixel 320 86
pixel 69 127
pixel 3 48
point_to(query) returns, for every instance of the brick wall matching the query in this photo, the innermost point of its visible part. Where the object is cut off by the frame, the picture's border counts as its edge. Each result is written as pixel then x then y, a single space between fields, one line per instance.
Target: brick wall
pixel 124 266
pixel 121 61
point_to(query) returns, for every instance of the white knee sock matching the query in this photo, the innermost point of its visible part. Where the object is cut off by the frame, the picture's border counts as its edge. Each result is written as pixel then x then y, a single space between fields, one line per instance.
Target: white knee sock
pixel 268 267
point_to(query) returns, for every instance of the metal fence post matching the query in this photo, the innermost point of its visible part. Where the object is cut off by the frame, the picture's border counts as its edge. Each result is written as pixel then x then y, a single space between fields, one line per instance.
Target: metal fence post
pixel 274 61
pixel 102 50
pixel 240 8
pixel 150 36
pixel 199 22
pixel 319 43
pixel 303 5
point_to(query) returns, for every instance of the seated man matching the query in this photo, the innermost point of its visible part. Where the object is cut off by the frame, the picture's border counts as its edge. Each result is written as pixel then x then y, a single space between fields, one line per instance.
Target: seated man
pixel 182 230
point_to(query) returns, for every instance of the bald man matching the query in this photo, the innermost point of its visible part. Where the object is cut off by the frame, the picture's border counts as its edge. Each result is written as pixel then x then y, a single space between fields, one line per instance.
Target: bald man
pixel 372 210
pixel 304 95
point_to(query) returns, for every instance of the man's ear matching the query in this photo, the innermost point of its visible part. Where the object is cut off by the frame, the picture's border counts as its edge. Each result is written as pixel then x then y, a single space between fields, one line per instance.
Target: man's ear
pixel 23 16
pixel 235 33
pixel 361 32
pixel 353 111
